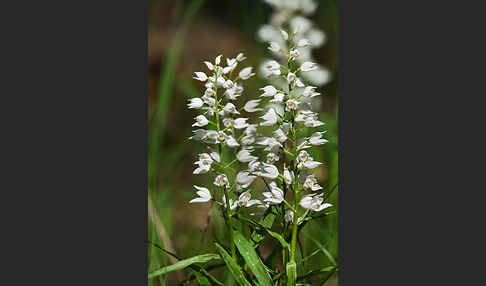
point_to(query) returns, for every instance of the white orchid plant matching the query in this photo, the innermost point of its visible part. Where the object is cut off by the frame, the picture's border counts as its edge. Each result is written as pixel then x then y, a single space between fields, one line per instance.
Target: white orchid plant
pixel 257 154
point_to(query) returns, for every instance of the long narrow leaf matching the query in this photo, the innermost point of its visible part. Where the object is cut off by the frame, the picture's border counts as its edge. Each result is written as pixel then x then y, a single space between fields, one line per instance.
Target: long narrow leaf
pixel 252 259
pixel 183 264
pixel 282 241
pixel 234 269
pixel 323 249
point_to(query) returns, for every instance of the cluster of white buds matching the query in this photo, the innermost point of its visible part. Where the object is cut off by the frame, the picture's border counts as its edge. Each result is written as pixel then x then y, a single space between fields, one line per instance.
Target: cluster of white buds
pixel 291 15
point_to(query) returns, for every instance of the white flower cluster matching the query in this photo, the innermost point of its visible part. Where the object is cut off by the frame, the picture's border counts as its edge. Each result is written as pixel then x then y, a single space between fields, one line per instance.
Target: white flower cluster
pixel 281 157
pixel 305 37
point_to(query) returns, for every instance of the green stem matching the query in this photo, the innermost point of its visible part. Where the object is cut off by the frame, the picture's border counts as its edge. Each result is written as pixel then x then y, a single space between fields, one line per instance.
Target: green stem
pixel 230 224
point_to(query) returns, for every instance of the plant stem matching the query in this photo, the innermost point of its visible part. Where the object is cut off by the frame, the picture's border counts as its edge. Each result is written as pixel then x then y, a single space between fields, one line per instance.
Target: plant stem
pixel 230 224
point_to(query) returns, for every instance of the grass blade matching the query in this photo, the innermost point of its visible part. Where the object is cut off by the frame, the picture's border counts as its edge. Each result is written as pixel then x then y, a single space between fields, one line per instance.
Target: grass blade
pixel 252 259
pixel 183 264
pixel 234 269
pixel 323 249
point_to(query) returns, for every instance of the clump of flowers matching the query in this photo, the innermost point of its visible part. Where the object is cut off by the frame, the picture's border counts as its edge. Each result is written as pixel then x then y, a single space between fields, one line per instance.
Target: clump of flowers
pixel 290 18
pixel 260 162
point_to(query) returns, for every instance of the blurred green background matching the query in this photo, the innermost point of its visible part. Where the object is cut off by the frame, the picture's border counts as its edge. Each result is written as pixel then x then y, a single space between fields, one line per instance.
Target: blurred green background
pixel 181 35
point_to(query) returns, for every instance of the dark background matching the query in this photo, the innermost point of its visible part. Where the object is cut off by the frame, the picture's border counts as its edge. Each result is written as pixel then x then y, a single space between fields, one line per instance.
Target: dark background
pixel 74 143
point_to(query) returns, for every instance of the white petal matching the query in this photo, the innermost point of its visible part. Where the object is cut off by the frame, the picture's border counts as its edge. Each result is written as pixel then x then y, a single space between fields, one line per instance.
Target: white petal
pixel 201 76
pixel 199 200
pixel 251 106
pixel 312 164
pixel 209 65
pixel 217 61
pixel 252 202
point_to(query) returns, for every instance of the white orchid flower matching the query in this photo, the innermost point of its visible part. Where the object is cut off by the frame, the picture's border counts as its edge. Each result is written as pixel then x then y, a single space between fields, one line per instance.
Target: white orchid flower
pixel 219 136
pixel 274 47
pixel 204 195
pixel 201 76
pixel 201 121
pixel 214 155
pixel 228 84
pixel 232 204
pixel 233 93
pixel 246 73
pixel 316 37
pixel 220 81
pixel 271 68
pixel 309 119
pixel 199 134
pixel 303 43
pixel 289 217
pixel 272 158
pixel 231 142
pixel 270 142
pixel 251 106
pixel 209 92
pixel 221 181
pixel 244 178
pixel 294 54
pixel 288 176
pixel 314 202
pixel 279 135
pixel 316 139
pixel 291 104
pixel 195 103
pixel 244 200
pixel 308 66
pixel 240 123
pixel 291 77
pixel 231 62
pixel 244 155
pixel 300 24
pixel 209 65
pixel 262 169
pixel 304 160
pixel 302 144
pixel 217 61
pixel 275 196
pixel 299 83
pixel 268 91
pixel 310 183
pixel 251 129
pixel 309 92
pixel 248 139
pixel 278 98
pixel 204 163
pixel 230 108
pixel 209 100
pixel 284 34
pixel 227 122
pixel 270 118
pixel 240 57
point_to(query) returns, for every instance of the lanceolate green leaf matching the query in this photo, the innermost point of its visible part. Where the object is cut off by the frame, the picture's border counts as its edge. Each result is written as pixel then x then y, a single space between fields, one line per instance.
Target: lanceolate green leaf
pixel 183 264
pixel 282 241
pixel 234 269
pixel 251 258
